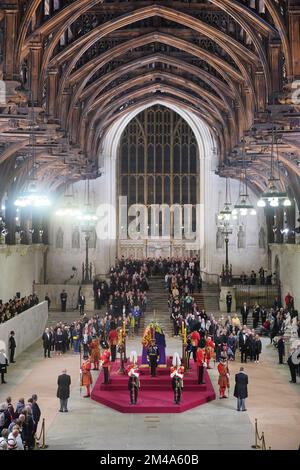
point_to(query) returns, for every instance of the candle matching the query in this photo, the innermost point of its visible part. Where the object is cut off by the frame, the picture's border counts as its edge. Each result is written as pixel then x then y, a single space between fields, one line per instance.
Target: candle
pixel 182 327
pixel 184 338
pixel 124 328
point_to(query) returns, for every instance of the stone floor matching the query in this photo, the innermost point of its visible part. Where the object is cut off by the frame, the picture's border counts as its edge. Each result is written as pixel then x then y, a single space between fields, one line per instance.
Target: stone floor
pixel 215 425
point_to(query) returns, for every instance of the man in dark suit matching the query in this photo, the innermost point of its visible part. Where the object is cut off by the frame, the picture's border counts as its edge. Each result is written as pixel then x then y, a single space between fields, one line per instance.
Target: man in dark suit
pixel 63 390
pixel 47 341
pixel 228 302
pixel 244 345
pixel 244 313
pixel 241 389
pixel 281 349
pixel 63 299
pixel 12 347
pixel 81 303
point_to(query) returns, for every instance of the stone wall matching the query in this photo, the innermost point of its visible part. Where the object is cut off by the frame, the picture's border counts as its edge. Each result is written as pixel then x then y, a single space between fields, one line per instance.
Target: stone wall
pixel 21 266
pixel 286 262
pixel 54 291
pixel 28 327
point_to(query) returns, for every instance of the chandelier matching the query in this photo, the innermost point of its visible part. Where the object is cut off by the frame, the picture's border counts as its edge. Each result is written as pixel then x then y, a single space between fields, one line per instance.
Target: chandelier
pixel 272 196
pixel 244 205
pixel 68 207
pixel 226 213
pixel 32 197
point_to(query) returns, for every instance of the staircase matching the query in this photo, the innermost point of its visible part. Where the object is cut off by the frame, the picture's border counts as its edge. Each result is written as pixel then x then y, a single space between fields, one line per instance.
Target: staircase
pixel 208 298
pixel 158 300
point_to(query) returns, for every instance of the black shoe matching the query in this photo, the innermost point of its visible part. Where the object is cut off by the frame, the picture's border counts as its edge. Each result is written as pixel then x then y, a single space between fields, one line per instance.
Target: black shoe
pixel 66 411
pixel 86 396
pixel 291 382
pixel 12 362
pixel 61 411
pixel 3 382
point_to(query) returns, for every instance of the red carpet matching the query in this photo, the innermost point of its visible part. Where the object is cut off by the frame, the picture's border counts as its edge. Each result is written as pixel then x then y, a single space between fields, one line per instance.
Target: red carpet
pixel 155 394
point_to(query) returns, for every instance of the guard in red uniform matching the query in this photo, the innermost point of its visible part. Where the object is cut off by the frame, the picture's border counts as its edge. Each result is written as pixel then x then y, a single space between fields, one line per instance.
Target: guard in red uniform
pixel 113 341
pixel 209 351
pixel 195 338
pixel 200 361
pixel 86 376
pixel 95 352
pixel 223 381
pixel 105 362
pixel 133 378
pixel 176 374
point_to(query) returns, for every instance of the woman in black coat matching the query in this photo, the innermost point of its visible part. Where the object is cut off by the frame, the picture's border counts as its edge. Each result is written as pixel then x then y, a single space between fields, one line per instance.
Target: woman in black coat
pixel 257 350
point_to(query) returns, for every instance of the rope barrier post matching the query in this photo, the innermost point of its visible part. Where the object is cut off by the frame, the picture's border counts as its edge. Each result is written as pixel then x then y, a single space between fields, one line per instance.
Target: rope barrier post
pixel 256 446
pixel 44 446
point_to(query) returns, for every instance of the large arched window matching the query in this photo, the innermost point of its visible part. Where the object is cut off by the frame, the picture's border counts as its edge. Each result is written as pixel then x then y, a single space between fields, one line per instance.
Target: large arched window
pixel 158 161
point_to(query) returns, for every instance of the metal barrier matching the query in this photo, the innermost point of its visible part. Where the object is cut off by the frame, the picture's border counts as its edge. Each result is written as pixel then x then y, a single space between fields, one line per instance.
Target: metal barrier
pixel 263 294
pixel 43 436
pixel 258 439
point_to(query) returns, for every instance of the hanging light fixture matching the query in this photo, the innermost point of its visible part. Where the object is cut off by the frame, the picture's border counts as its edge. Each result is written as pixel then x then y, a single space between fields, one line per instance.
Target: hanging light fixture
pixel 68 208
pixel 32 197
pixel 243 205
pixel 272 196
pixel 226 213
pixel 87 216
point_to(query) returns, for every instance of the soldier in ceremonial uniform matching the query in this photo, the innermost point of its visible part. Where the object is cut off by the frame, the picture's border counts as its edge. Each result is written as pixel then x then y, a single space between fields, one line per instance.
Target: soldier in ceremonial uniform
pixel 209 351
pixel 177 372
pixel 223 381
pixel 200 361
pixel 95 352
pixel 133 381
pixel 105 362
pixel 86 376
pixel 153 357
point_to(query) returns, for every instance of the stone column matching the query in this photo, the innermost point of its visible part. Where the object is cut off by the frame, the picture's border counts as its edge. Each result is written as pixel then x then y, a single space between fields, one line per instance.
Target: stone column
pixel 260 89
pixel 10 37
pixel 52 92
pixel 275 63
pixel 75 122
pixel 63 112
pixel 294 33
pixel 10 214
pixel 35 48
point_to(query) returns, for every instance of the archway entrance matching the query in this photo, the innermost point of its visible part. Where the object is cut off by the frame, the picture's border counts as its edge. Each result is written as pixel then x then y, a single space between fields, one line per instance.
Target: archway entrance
pixel 158 173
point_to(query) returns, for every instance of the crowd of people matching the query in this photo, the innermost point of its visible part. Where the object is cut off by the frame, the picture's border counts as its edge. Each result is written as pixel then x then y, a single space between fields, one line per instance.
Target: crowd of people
pixel 262 277
pixel 16 306
pixel 19 423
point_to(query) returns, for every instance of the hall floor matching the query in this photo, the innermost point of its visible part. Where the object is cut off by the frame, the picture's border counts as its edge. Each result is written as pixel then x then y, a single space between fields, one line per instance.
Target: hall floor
pixel 216 425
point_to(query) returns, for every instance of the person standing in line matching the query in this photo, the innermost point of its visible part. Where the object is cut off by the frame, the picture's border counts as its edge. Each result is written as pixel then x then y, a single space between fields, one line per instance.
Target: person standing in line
pixel 241 389
pixel 177 373
pixel 86 376
pixel 257 349
pixel 63 390
pixel 292 365
pixel 113 340
pixel 133 378
pixel 36 412
pixel 12 347
pixel 223 381
pixel 3 365
pixel 244 313
pixel 63 300
pixel 228 302
pixel 281 349
pixel 81 303
pixel 105 362
pixel 47 342
pixel 153 357
pixel 47 298
pixel 200 361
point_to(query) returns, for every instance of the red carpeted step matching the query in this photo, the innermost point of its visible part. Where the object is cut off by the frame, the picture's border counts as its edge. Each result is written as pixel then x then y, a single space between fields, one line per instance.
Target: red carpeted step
pixel 155 394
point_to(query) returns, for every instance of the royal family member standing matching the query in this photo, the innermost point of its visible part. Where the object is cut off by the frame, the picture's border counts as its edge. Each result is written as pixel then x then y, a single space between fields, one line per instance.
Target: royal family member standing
pixel 63 390
pixel 241 389
pixel 12 347
pixel 133 378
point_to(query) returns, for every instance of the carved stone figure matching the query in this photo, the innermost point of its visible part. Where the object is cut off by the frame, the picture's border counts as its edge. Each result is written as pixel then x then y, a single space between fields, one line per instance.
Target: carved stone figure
pixel 262 238
pixel 241 238
pixel 76 239
pixel 59 238
pixel 220 239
